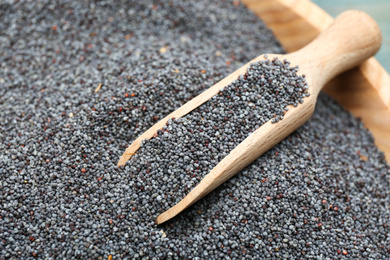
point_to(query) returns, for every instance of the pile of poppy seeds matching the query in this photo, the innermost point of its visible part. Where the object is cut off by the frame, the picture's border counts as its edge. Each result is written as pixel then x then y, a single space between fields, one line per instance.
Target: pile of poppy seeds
pixel 80 80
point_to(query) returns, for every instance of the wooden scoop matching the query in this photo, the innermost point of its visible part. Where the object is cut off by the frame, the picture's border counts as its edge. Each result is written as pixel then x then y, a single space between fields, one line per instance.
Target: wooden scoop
pixel 351 39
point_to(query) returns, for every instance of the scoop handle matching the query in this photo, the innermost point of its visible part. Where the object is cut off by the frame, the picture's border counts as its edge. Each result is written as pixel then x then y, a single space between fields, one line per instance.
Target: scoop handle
pixel 352 38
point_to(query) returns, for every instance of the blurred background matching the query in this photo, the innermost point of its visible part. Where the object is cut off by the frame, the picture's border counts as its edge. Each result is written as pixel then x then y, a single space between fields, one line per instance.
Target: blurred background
pixel 378 9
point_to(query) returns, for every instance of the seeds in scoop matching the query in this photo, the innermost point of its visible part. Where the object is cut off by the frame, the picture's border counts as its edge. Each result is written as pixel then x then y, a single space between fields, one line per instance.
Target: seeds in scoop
pixel 219 125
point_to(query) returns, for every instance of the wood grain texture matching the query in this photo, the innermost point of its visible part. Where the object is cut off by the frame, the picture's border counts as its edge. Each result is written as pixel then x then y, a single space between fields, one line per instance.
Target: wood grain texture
pixel 364 91
pixel 338 48
pixel 378 9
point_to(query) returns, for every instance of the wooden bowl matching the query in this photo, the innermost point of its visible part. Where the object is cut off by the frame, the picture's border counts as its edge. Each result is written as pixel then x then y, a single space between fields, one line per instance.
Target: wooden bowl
pixel 364 91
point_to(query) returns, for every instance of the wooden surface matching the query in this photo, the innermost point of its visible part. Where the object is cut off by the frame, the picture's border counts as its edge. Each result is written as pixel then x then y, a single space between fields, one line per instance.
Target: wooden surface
pixel 339 47
pixel 364 91
pixel 378 9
